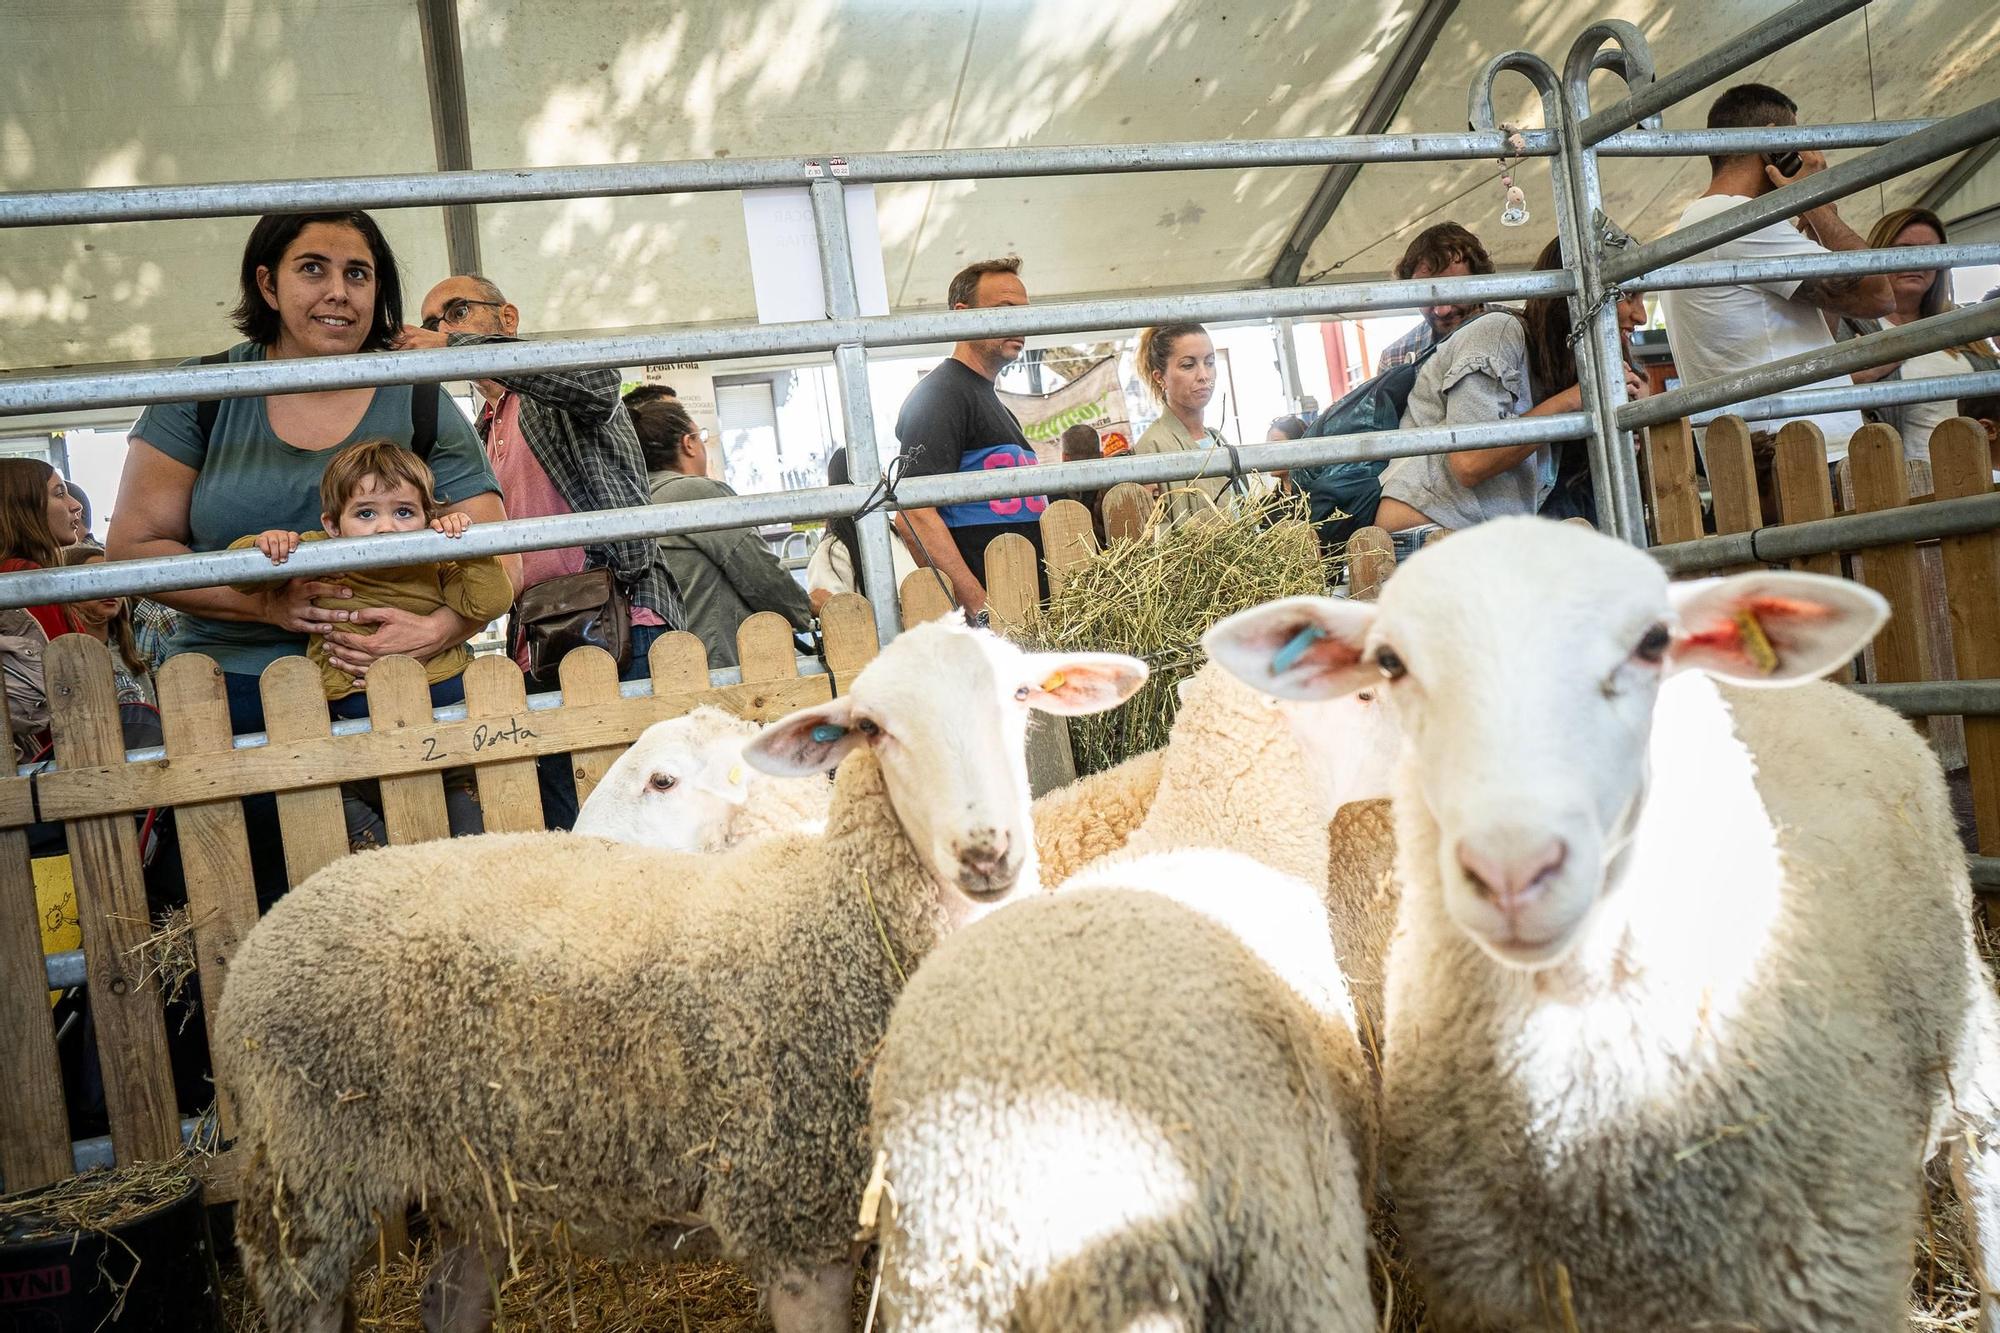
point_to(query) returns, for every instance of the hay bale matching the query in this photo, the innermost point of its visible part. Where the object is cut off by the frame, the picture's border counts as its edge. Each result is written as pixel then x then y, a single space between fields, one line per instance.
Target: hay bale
pixel 1154 596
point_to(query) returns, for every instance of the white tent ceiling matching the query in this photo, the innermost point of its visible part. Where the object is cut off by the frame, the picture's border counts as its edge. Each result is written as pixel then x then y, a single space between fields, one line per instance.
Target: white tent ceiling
pixel 116 92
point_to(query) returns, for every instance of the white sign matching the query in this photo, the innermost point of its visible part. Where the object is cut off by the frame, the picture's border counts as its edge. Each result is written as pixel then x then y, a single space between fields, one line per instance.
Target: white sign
pixel 784 252
pixel 1095 399
pixel 694 386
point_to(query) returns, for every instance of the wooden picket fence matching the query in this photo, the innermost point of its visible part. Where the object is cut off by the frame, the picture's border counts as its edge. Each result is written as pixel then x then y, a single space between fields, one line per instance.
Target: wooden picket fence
pixel 95 793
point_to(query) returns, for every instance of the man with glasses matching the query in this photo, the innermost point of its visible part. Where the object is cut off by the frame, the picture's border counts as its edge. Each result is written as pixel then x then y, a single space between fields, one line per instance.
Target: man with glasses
pixel 560 442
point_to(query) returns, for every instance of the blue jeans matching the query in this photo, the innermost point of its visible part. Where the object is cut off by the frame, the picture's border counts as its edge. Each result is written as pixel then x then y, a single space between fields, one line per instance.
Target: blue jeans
pixel 553 772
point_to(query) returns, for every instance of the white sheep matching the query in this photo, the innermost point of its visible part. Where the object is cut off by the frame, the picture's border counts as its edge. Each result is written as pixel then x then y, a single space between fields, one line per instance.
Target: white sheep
pixel 520 1032
pixel 1140 1102
pixel 684 786
pixel 1684 988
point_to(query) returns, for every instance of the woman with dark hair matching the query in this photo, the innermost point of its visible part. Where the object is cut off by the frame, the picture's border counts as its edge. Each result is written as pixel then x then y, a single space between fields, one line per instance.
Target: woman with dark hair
pixel 37 519
pixel 1502 364
pixel 835 565
pixel 200 475
pixel 1920 293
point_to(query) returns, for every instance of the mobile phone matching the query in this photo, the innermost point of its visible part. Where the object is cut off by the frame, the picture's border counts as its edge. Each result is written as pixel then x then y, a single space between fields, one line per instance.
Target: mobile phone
pixel 1786 162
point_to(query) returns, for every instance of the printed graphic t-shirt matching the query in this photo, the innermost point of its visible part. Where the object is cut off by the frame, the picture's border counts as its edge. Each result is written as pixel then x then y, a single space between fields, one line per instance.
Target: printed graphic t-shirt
pixel 954 422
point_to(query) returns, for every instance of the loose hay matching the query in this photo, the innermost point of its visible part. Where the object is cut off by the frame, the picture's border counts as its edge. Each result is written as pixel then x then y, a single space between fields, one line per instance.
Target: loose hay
pixel 96 1201
pixel 166 958
pixel 1153 597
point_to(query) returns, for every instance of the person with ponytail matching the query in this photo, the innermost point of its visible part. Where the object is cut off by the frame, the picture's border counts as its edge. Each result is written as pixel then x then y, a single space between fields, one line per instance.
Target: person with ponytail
pixel 37 519
pixel 1177 366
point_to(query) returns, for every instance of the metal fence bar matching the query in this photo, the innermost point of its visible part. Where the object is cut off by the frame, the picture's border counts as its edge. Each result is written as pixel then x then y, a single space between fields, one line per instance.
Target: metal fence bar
pixel 1985 871
pixel 503 185
pixel 1845 532
pixel 1837 263
pixel 1937 698
pixel 857 413
pixel 1872 168
pixel 1839 397
pixel 1892 344
pixel 53 393
pixel 1740 52
pixel 210 568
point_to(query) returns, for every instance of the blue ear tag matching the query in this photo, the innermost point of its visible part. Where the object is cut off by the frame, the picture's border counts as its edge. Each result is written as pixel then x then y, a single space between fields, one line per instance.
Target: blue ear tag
pixel 826 733
pixel 1287 657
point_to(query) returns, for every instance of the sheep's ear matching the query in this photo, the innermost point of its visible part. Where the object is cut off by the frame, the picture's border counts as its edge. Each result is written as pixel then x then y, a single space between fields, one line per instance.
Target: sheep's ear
pixel 809 741
pixel 724 774
pixel 1296 648
pixel 1073 684
pixel 1772 628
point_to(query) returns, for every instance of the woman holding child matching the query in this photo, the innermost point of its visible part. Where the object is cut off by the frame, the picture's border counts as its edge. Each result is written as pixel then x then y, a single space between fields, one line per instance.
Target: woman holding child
pixel 320 284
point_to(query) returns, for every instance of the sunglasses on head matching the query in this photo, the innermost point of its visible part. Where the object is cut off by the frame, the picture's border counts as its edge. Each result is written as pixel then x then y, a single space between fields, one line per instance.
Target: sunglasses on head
pixel 456 310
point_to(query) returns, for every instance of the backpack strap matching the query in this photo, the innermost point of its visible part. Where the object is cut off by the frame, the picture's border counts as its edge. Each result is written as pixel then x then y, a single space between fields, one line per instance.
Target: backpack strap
pixel 205 410
pixel 423 419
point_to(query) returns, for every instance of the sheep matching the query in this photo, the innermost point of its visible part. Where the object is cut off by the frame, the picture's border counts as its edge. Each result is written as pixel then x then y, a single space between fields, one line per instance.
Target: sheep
pixel 1140 1102
pixel 1684 988
pixel 683 786
pixel 1076 824
pixel 558 1054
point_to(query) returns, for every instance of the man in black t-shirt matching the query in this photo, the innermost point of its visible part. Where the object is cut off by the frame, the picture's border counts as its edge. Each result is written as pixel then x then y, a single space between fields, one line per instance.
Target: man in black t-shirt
pixel 953 421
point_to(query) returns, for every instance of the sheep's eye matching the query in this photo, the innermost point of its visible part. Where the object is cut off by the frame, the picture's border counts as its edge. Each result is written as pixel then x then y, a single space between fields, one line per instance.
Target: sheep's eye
pixel 867 727
pixel 1653 645
pixel 1390 665
pixel 1021 693
pixel 663 782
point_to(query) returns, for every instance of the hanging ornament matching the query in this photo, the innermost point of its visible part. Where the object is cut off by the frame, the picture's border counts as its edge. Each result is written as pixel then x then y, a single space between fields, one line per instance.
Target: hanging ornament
pixel 1514 207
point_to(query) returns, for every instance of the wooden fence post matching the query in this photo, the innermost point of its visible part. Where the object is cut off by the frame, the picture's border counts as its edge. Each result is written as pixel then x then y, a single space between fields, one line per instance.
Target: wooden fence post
pixel 1805 493
pixel 1959 467
pixel 510 796
pixel 847 623
pixel 1732 476
pixel 924 597
pixel 1013 584
pixel 1371 559
pixel 215 843
pixel 111 905
pixel 310 819
pixel 399 695
pixel 1880 482
pixel 1670 470
pixel 1068 540
pixel 34 1131
pixel 1126 509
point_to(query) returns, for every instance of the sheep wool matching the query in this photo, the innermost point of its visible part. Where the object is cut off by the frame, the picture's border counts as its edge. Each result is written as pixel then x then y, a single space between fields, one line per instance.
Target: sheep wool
pixel 1077 1136
pixel 1712 1114
pixel 1091 817
pixel 520 1032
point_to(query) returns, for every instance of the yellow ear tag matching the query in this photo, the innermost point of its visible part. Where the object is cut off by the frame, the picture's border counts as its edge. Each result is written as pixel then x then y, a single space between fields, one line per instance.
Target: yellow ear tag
pixel 1053 683
pixel 736 775
pixel 1756 644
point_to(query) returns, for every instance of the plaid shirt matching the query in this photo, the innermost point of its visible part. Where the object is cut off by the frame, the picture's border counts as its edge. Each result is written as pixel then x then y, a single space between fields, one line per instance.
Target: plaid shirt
pixel 1406 348
pixel 580 433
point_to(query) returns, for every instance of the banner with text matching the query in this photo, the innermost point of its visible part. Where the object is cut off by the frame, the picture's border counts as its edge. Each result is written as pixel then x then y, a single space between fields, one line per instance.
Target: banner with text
pixel 1095 398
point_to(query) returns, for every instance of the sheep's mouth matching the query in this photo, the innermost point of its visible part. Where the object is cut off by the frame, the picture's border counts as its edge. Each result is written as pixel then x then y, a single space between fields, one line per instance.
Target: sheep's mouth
pixel 990 887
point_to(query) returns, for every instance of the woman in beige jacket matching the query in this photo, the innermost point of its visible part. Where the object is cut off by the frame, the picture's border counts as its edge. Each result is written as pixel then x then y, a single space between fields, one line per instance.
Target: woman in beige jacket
pixel 1177 366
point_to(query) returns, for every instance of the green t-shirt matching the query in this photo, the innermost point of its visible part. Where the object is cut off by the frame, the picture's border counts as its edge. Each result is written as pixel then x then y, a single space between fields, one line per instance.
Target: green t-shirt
pixel 250 481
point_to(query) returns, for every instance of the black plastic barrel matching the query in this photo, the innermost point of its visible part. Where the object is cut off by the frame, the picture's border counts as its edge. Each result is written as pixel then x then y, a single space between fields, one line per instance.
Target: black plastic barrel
pixel 160 1264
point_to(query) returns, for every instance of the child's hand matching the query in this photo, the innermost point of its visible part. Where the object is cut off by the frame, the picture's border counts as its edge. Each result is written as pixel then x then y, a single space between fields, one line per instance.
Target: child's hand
pixel 278 545
pixel 451 525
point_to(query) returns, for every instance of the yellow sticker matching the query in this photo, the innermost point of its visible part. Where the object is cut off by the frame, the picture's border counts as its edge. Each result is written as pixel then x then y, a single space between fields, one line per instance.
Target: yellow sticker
pixel 736 775
pixel 1756 644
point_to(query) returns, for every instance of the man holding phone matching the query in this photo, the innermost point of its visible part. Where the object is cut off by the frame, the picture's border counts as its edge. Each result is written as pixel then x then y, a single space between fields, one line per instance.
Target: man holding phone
pixel 1716 330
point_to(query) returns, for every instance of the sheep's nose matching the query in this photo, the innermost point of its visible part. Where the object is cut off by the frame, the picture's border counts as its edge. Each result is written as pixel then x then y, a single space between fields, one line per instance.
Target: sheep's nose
pixel 985 863
pixel 1511 871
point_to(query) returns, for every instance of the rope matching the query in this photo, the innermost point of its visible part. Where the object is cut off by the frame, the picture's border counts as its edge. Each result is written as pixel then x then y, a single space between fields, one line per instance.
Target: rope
pixel 882 496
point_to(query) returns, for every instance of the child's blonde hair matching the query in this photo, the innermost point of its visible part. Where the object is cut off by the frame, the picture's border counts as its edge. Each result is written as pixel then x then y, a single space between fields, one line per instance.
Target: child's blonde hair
pixel 388 462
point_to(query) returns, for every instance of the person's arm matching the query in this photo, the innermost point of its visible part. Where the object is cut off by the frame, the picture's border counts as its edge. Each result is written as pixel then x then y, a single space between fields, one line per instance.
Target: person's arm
pixel 755 573
pixel 1868 295
pixel 1473 466
pixel 150 519
pixel 407 633
pixel 478 589
pixel 591 395
pixel 931 544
